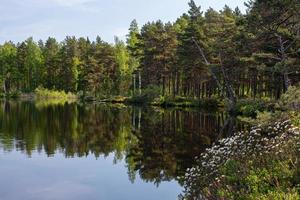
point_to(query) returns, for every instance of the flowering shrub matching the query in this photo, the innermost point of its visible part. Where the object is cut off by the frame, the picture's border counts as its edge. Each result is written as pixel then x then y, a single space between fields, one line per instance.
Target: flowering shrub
pixel 249 165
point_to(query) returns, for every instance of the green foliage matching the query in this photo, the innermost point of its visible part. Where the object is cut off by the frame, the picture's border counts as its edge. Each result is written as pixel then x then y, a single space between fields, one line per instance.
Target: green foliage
pixel 29 57
pixel 250 108
pixel 126 66
pixel 258 164
pixel 295 117
pixel 73 65
pixel 229 170
pixel 277 195
pixel 14 94
pixel 147 96
pixel 178 101
pixel 42 93
pixel 269 180
pixel 265 118
pixel 291 99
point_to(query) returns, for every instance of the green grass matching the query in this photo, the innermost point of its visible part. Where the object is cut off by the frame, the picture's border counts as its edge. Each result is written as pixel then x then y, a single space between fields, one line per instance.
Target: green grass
pixel 42 93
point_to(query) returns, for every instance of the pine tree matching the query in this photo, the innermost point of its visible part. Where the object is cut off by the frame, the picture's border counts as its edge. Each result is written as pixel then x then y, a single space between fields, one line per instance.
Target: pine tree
pixel 192 65
pixel 9 72
pixel 52 62
pixel 69 62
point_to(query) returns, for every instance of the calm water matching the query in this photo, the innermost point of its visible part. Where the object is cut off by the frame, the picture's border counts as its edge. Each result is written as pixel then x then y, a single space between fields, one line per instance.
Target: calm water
pixel 89 152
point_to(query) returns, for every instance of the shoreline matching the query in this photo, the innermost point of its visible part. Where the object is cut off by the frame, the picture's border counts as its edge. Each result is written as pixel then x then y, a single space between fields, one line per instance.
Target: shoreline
pixel 185 103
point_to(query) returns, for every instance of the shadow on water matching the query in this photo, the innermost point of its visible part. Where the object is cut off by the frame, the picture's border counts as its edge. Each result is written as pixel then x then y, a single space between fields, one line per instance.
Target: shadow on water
pixel 156 144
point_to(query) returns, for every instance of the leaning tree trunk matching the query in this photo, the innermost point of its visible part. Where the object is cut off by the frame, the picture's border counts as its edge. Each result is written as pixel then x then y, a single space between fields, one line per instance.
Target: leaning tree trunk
pixel 283 48
pixel 229 89
pixel 228 85
pixel 283 58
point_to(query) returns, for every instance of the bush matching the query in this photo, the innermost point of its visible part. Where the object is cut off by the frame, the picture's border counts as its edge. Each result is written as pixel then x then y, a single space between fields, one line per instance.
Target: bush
pixel 178 101
pixel 148 95
pixel 291 99
pixel 13 94
pixel 42 93
pixel 295 117
pixel 250 108
pixel 259 164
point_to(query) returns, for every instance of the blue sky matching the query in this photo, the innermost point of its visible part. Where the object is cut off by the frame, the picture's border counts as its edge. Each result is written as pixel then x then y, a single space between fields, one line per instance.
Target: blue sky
pixel 20 19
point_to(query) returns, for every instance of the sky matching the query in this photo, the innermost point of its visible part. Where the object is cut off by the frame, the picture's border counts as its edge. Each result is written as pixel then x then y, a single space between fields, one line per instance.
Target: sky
pixel 20 19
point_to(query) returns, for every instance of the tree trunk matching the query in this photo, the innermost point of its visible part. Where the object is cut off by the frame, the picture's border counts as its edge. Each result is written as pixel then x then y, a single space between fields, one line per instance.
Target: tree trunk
pixel 283 56
pixel 140 83
pixel 228 85
pixel 134 85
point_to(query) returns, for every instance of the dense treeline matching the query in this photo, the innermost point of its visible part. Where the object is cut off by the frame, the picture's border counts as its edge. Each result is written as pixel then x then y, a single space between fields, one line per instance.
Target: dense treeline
pixel 254 54
pixel 73 65
pixel 201 55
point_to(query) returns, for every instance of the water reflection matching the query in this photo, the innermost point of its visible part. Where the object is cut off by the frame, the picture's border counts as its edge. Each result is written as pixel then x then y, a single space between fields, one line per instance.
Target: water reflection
pixel 157 145
pixel 168 141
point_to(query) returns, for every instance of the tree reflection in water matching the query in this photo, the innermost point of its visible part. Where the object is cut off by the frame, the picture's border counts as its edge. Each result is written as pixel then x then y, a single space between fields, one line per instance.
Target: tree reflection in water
pixel 157 144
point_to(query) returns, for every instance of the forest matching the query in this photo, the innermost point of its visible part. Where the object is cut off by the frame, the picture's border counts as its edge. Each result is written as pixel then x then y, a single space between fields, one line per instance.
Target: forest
pixel 211 54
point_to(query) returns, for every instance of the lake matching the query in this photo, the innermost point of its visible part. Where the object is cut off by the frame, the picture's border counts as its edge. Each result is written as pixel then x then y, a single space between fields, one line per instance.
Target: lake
pixel 75 151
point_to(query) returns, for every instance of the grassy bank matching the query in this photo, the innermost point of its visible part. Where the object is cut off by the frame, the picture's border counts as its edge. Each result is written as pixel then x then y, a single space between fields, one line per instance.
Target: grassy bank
pixel 164 102
pixel 42 93
pixel 177 102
